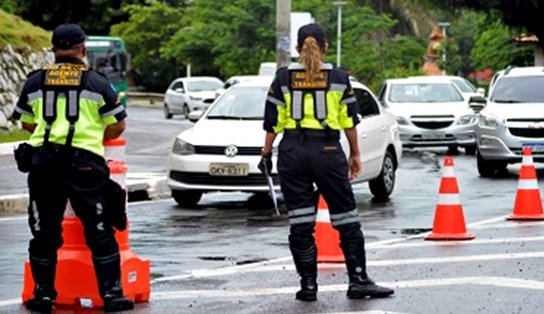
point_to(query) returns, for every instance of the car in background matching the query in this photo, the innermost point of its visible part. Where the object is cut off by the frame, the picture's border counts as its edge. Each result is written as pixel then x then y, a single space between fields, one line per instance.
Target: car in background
pixel 512 118
pixel 187 94
pixel 223 148
pixel 267 69
pixel 232 81
pixel 431 111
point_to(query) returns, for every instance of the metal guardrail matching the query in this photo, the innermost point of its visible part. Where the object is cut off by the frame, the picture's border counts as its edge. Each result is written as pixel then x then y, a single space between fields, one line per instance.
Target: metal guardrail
pixel 146 98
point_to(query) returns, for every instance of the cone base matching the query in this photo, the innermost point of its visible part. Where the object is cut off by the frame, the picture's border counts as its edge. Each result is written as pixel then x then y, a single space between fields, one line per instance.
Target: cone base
pixel 525 217
pixel 331 259
pixel 450 236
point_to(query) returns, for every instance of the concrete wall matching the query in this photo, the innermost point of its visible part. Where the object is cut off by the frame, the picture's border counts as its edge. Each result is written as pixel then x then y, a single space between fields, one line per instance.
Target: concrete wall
pixel 14 65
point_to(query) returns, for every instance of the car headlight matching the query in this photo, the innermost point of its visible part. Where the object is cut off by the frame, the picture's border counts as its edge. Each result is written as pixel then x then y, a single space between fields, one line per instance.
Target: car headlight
pixel 402 120
pixel 195 98
pixel 182 148
pixel 487 121
pixel 466 119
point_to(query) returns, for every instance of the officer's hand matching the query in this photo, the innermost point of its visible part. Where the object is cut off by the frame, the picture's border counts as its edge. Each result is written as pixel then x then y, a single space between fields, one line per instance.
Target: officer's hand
pixel 265 165
pixel 355 166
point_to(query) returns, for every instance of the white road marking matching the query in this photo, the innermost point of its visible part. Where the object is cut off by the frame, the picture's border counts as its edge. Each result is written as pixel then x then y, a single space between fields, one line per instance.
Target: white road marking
pixel 262 267
pixel 234 293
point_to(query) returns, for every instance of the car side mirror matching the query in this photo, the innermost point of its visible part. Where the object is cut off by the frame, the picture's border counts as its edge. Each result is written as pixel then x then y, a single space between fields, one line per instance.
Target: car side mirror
pixel 195 115
pixel 179 90
pixel 481 90
pixel 477 103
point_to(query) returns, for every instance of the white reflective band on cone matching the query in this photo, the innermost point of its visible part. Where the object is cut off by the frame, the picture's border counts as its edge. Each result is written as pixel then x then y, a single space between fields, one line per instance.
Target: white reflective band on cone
pixel 527 160
pixel 528 184
pixel 323 215
pixel 448 199
pixel 448 172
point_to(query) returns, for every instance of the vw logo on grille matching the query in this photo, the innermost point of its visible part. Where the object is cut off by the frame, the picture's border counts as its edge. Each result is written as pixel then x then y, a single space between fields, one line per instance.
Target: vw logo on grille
pixel 231 151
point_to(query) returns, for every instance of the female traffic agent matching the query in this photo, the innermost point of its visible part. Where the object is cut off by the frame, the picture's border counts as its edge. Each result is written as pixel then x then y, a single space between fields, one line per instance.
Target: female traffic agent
pixel 311 102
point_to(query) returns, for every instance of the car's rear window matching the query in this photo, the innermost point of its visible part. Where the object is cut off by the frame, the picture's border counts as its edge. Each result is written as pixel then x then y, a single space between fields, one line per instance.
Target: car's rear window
pixel 424 92
pixel 240 102
pixel 519 89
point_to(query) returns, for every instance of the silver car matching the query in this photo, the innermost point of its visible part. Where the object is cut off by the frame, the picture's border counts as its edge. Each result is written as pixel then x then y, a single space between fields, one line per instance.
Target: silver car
pixel 431 111
pixel 512 118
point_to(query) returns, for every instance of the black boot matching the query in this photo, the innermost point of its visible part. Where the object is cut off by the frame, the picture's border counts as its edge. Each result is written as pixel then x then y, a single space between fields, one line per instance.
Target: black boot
pixel 360 285
pixel 43 272
pixel 108 275
pixel 306 265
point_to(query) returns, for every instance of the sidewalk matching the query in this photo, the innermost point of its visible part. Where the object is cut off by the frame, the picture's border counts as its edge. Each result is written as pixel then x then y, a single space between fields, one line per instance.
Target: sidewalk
pixel 140 186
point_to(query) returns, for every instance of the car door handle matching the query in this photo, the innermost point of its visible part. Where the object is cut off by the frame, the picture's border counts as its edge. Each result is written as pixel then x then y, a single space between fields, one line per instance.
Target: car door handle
pixel 383 128
pixel 363 135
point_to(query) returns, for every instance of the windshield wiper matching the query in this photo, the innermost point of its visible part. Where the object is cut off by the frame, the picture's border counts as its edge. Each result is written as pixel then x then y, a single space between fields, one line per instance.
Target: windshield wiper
pixel 506 101
pixel 219 117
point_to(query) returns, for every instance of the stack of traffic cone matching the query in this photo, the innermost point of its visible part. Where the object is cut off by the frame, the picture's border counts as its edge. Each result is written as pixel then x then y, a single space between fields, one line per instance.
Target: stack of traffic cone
pixel 75 279
pixel 327 239
pixel 449 221
pixel 528 204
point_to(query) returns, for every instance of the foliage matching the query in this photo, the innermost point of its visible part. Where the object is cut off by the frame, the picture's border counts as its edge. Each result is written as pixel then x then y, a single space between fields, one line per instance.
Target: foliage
pixel 450 60
pixel 19 33
pixel 495 49
pixel 146 31
pixel 464 30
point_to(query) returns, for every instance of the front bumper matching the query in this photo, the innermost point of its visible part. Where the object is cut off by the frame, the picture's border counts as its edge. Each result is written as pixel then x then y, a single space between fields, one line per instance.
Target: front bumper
pixel 500 145
pixel 461 135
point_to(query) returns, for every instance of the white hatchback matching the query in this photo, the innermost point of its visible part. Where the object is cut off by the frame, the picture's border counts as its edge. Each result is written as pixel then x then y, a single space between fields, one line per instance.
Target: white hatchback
pixel 222 150
pixel 188 94
pixel 431 111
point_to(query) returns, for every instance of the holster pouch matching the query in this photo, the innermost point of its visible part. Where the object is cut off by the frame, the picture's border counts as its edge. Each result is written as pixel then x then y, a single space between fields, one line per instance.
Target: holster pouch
pixel 115 205
pixel 23 156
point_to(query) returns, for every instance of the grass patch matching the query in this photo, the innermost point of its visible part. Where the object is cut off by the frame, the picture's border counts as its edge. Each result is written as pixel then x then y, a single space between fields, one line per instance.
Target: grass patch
pixel 18 33
pixel 14 136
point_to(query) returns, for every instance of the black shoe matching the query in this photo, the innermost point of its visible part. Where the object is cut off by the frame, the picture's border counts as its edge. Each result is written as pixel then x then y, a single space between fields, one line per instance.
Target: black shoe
pixel 117 304
pixel 308 290
pixel 367 288
pixel 42 304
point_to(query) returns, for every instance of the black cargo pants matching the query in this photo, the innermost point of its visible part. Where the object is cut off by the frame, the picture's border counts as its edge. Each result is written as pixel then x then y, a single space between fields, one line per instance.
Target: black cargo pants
pixel 56 175
pixel 316 157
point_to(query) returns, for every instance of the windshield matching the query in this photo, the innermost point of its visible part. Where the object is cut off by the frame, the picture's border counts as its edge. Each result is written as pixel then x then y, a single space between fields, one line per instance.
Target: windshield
pixel 424 92
pixel 240 103
pixel 203 85
pixel 110 63
pixel 465 86
pixel 519 89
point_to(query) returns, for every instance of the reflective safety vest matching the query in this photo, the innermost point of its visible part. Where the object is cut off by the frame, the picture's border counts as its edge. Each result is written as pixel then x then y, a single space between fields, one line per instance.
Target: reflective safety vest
pixel 325 102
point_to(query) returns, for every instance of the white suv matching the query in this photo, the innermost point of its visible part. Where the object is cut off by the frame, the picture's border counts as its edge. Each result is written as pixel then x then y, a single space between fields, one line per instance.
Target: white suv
pixel 512 118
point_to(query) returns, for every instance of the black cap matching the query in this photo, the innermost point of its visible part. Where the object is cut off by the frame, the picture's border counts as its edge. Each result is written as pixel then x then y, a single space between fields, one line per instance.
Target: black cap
pixel 66 36
pixel 311 30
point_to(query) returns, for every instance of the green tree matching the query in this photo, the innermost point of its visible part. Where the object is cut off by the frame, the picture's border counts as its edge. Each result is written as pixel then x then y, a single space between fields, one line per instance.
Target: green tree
pixel 147 30
pixel 495 49
pixel 465 30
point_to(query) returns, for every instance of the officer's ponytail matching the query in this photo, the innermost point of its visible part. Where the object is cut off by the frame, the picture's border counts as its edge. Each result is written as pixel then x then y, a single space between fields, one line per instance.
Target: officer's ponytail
pixel 311 56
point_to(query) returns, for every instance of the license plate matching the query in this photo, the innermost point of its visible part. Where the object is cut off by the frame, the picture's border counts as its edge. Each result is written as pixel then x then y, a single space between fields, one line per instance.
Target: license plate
pixel 433 136
pixel 535 147
pixel 229 169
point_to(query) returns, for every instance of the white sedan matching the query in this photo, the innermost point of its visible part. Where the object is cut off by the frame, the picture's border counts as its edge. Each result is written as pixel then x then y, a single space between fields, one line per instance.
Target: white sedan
pixel 222 150
pixel 188 94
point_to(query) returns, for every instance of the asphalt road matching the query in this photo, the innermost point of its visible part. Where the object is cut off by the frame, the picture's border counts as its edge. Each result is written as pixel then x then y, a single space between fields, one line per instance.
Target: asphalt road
pixel 224 257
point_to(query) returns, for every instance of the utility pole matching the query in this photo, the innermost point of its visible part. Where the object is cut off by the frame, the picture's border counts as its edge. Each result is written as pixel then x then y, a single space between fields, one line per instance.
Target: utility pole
pixel 283 33
pixel 339 4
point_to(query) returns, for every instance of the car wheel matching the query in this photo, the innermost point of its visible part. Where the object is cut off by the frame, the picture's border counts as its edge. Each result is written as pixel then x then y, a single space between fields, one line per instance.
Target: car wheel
pixel 187 198
pixel 486 168
pixel 167 113
pixel 186 111
pixel 470 150
pixel 382 186
pixel 260 200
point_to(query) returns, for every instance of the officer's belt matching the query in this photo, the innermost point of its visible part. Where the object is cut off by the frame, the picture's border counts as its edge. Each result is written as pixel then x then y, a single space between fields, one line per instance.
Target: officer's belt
pixel 310 133
pixel 70 151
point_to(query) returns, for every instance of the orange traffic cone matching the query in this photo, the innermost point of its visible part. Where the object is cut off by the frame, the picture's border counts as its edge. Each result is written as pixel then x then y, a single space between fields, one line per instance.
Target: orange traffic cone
pixel 327 239
pixel 528 204
pixel 75 280
pixel 449 222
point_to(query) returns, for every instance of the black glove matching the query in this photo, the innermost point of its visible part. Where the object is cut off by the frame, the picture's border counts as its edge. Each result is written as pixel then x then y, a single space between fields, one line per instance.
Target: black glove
pixel 115 205
pixel 265 165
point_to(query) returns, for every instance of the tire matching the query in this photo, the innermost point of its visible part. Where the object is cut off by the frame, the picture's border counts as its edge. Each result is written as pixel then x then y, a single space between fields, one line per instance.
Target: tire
pixel 167 113
pixel 186 111
pixel 186 198
pixel 260 200
pixel 382 186
pixel 470 150
pixel 486 168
